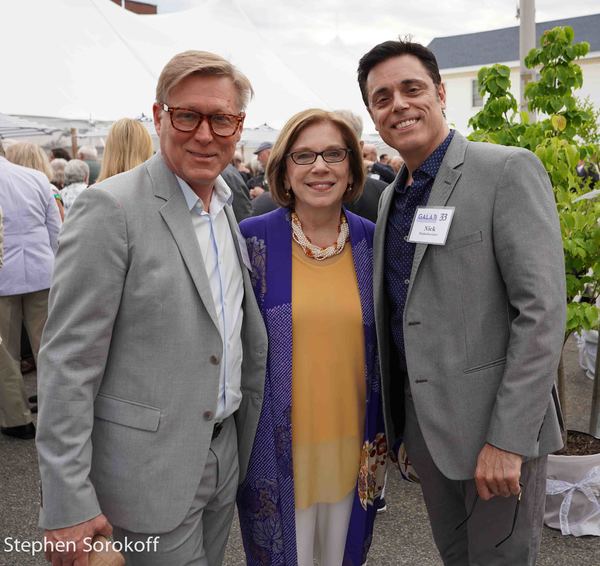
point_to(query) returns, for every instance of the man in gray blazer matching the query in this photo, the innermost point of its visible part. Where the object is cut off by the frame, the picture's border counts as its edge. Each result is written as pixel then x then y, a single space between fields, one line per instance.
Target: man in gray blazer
pixel 152 367
pixel 470 306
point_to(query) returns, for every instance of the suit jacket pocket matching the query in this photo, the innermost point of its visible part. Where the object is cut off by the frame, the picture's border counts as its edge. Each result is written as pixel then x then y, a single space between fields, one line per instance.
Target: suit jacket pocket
pixel 126 413
pixel 463 241
pixel 486 365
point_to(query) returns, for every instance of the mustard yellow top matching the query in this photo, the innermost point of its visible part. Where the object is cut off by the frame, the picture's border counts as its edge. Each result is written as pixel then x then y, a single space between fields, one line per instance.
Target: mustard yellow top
pixel 328 377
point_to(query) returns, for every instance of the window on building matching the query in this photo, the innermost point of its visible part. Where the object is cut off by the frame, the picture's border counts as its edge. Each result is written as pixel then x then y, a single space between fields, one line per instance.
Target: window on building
pixel 477 101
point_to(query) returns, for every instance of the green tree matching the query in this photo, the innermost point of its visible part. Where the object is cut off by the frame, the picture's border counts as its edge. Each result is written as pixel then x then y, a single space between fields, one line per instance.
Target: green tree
pixel 565 132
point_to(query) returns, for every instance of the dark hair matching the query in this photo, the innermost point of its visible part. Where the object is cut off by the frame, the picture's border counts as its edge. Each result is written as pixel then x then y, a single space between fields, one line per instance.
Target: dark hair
pixel 60 153
pixel 389 49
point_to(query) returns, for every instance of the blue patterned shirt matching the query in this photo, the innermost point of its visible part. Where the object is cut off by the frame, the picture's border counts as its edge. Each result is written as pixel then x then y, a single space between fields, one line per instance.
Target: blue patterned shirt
pixel 399 252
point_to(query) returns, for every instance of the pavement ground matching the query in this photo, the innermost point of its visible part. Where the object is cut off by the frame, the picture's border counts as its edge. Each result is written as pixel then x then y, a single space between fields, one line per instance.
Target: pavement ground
pixel 402 535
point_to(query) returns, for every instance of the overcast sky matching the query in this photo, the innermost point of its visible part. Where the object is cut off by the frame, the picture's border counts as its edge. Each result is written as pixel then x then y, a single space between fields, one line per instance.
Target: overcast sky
pixel 360 23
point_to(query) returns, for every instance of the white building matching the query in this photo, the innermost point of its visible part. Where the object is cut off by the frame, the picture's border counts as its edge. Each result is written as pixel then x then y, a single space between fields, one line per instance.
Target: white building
pixel 461 56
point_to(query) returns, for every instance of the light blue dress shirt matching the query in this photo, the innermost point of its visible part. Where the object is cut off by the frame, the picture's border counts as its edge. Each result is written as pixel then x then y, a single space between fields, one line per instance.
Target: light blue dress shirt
pixel 224 274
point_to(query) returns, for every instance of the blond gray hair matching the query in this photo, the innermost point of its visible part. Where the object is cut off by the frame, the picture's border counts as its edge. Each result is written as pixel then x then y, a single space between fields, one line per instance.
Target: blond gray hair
pixel 353 119
pixel 58 166
pixel 76 171
pixel 202 63
pixel 128 144
pixel 29 155
pixel 87 152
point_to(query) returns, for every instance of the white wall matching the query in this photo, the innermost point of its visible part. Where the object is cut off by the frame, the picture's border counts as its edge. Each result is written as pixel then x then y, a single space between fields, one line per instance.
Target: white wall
pixel 591 78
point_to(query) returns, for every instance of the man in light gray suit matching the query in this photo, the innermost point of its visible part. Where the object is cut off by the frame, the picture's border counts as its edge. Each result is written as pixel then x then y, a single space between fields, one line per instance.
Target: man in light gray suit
pixel 152 367
pixel 470 306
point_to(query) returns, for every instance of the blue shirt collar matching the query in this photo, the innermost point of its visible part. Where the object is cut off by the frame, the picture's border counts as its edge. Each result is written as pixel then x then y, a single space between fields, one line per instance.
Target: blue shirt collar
pixel 431 165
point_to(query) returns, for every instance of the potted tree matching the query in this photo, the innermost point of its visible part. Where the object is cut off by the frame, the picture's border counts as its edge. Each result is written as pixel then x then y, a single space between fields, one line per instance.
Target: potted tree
pixel 564 135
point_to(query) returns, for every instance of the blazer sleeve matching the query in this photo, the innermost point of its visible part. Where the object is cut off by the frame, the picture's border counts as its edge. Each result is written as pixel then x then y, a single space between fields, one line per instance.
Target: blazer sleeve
pixel 529 252
pixel 89 276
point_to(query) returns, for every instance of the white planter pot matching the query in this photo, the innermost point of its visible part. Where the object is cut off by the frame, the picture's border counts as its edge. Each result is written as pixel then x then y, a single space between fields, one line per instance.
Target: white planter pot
pixel 573 494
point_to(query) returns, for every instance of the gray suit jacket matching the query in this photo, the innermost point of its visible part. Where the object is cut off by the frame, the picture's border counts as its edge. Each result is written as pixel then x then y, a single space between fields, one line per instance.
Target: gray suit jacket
pixel 485 313
pixel 129 367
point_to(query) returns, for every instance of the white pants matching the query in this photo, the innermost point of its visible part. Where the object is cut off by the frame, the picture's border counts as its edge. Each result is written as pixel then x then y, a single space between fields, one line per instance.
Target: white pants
pixel 321 532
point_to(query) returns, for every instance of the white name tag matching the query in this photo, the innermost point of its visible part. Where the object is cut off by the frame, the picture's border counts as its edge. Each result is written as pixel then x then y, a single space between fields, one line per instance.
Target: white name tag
pixel 431 225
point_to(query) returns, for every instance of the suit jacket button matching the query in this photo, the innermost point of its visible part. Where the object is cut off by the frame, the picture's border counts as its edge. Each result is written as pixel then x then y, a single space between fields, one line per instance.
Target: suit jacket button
pixel 208 415
pixel 214 360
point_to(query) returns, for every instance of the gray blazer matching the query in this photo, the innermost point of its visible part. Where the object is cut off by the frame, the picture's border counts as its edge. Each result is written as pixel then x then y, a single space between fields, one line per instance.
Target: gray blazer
pixel 128 372
pixel 485 313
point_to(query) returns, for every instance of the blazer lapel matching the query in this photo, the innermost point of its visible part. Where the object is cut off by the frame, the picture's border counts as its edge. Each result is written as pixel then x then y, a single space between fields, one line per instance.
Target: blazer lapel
pixel 443 185
pixel 177 217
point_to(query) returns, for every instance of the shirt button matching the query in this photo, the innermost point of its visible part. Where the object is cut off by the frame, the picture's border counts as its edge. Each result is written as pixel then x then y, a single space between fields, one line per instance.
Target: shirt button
pixel 208 415
pixel 214 360
pixel 406 238
pixel 406 281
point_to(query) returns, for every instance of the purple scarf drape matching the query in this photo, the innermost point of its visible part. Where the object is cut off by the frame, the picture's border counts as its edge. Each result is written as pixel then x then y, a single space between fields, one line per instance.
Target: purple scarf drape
pixel 266 496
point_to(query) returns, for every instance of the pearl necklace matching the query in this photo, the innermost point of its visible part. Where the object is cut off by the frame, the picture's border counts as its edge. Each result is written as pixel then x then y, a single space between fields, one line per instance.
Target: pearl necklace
pixel 316 252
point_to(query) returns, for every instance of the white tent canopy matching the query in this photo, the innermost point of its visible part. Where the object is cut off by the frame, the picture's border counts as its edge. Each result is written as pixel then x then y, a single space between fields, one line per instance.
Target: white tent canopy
pixel 220 26
pixel 90 59
pixel 76 59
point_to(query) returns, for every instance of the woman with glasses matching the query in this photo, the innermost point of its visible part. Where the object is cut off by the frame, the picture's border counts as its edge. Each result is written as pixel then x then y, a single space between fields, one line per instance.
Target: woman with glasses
pixel 318 460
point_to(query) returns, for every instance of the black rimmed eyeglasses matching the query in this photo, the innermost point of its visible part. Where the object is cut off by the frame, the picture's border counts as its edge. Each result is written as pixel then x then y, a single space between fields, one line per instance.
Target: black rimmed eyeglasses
pixel 334 155
pixel 186 120
pixel 514 521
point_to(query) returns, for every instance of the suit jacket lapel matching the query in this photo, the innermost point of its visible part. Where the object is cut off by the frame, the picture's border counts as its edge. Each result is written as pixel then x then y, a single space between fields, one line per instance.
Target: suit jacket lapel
pixel 177 217
pixel 443 185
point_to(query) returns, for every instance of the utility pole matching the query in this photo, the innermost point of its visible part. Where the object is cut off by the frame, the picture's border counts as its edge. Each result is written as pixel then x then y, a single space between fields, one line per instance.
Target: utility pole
pixel 526 44
pixel 74 142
